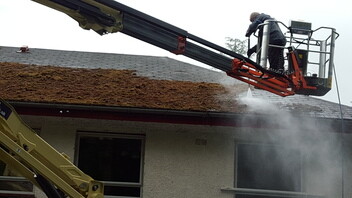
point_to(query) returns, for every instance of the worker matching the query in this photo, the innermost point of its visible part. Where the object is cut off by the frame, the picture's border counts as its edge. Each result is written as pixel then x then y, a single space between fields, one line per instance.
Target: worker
pixel 276 37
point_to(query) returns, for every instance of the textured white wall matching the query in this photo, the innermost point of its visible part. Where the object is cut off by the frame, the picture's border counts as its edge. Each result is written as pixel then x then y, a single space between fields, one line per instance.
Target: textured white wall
pixel 197 161
pixel 188 163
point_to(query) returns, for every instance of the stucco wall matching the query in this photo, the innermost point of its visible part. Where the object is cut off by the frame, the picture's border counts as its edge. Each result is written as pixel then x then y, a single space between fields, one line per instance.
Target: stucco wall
pixel 197 161
pixel 188 162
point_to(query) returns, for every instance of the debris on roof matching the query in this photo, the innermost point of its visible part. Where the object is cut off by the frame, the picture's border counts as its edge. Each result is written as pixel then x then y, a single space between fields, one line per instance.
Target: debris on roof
pixel 23 49
pixel 110 87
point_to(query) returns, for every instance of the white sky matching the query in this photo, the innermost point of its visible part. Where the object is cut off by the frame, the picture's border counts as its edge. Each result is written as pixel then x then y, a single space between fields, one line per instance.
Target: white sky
pixel 24 22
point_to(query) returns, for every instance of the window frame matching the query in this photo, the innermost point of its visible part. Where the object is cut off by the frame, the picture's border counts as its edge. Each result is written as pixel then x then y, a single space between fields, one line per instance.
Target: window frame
pixel 141 137
pixel 236 164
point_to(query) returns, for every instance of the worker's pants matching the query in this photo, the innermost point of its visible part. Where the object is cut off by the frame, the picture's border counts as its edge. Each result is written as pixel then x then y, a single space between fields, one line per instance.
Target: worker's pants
pixel 276 56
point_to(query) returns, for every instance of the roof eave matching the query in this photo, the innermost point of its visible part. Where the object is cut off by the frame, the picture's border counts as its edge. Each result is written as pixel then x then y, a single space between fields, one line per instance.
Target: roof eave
pixel 210 118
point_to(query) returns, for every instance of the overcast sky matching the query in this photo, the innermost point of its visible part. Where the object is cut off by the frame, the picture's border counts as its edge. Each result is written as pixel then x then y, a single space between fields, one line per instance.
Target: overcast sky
pixel 24 22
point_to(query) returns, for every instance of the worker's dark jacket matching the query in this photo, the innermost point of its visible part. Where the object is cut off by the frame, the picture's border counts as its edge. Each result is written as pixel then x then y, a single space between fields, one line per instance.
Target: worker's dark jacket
pixel 276 36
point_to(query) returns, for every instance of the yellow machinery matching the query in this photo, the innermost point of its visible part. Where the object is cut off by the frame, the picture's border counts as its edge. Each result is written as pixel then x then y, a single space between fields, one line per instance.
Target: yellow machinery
pixel 23 150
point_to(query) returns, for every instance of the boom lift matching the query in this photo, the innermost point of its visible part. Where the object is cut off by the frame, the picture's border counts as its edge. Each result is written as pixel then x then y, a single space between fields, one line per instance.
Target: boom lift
pixel 108 16
pixel 24 150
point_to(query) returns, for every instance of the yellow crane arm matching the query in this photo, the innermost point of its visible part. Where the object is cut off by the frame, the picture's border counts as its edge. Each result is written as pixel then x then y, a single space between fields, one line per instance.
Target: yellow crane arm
pixel 25 151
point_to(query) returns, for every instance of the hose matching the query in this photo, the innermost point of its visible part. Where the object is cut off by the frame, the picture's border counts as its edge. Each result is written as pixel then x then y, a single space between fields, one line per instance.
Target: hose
pixel 342 132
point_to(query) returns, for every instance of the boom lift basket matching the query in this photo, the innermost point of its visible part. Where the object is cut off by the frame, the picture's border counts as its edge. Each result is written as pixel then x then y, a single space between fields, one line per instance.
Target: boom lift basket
pixel 314 56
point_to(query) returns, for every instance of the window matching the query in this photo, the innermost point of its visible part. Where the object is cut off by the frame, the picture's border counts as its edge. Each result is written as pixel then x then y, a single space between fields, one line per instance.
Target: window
pixel 267 167
pixel 114 159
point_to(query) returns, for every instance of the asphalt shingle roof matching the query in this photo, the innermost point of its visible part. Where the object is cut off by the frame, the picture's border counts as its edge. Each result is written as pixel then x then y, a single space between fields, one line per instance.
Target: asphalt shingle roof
pixel 169 69
pixel 149 66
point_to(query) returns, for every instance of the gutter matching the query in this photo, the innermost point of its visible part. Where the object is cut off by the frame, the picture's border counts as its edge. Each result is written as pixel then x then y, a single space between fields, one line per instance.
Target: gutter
pixel 210 118
pixel 127 113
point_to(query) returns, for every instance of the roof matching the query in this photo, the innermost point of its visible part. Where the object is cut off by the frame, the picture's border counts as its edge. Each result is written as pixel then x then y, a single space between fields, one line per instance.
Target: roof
pixel 163 69
pixel 108 87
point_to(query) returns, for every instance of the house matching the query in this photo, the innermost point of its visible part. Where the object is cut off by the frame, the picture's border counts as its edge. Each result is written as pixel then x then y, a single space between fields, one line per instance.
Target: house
pixel 156 127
